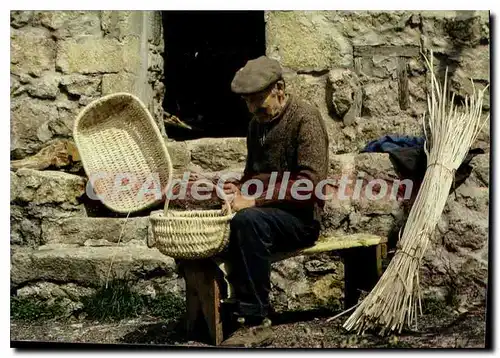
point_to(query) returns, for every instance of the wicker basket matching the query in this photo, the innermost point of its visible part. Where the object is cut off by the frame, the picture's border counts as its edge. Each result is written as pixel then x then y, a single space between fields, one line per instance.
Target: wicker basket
pixel 192 234
pixel 116 136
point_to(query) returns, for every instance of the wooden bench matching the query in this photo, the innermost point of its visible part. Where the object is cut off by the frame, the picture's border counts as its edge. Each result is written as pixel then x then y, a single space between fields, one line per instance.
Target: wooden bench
pixel 361 253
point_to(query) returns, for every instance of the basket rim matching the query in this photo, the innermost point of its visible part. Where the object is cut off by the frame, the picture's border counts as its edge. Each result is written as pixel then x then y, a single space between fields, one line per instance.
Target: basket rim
pixel 161 217
pixel 150 121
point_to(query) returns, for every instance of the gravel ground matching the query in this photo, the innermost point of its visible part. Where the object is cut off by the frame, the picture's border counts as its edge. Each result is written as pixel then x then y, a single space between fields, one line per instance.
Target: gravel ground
pixel 293 330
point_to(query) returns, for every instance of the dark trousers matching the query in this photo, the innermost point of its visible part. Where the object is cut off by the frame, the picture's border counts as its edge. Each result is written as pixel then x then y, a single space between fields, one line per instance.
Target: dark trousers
pixel 257 233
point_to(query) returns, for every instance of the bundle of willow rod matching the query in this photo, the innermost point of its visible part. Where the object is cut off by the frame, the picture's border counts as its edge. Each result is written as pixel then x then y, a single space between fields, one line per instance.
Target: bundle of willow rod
pixel 394 300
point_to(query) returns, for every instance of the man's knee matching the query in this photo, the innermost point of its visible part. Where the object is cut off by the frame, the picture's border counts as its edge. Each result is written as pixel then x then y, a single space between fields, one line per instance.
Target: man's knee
pixel 245 218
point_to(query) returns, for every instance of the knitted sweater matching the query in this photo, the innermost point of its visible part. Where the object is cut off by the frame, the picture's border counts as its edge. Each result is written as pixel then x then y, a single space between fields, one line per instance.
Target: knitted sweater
pixel 295 142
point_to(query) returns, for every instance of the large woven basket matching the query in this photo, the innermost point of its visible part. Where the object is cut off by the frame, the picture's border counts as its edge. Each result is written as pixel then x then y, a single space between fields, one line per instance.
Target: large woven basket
pixel 192 234
pixel 123 152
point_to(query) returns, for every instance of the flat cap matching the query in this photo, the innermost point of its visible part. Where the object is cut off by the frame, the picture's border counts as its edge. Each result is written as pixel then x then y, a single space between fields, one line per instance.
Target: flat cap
pixel 257 75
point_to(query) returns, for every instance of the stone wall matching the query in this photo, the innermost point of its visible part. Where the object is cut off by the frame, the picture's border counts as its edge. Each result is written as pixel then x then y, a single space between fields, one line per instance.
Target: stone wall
pixel 62 60
pixel 362 70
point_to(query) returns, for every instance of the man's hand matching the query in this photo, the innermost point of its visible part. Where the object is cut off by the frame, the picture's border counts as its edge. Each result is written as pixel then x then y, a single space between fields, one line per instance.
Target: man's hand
pixel 241 202
pixel 230 188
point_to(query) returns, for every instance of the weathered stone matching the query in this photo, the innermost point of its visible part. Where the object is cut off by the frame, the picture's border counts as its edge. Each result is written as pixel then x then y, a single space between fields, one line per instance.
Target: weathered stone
pixel 380 99
pixel 473 197
pixel 323 264
pixel 329 290
pixel 155 31
pixel 306 41
pixel 218 153
pixel 481 168
pixel 161 285
pixel 70 23
pixel 88 265
pixel 120 82
pixel 376 28
pixel 19 19
pixel 155 62
pixel 47 290
pixel 29 121
pixel 474 62
pixel 375 165
pixel 93 55
pixel 121 24
pixel 24 230
pixel 45 87
pixel 367 222
pixel 368 129
pixel 467 228
pixel 80 85
pixel 179 154
pixel 454 28
pixel 335 215
pixel 80 230
pixel 44 187
pixel 342 85
pixel 40 56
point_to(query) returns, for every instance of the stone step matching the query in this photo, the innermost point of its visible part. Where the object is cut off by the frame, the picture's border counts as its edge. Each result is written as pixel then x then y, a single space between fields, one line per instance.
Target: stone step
pixel 88 266
pixel 86 230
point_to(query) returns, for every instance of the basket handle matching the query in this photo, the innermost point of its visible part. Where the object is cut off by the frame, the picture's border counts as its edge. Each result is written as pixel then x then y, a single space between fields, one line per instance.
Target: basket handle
pixel 217 189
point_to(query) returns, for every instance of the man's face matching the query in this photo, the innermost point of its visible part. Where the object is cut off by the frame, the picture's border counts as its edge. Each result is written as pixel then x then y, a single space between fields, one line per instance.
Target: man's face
pixel 263 104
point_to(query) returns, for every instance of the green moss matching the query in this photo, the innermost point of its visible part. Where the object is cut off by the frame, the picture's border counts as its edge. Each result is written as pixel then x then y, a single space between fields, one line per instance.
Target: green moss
pixel 29 309
pixel 118 301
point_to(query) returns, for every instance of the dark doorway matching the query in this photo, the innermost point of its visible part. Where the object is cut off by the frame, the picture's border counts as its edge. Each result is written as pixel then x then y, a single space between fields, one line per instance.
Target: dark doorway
pixel 203 51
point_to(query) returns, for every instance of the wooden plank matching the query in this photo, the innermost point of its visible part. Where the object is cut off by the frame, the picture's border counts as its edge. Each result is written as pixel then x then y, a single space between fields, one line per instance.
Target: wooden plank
pixel 403 92
pixel 388 51
pixel 332 243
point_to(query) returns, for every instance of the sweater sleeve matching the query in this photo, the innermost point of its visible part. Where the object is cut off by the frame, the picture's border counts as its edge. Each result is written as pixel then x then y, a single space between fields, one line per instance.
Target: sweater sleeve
pixel 312 166
pixel 248 171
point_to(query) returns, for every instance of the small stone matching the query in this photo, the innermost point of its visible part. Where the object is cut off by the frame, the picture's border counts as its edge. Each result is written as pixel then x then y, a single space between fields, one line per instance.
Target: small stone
pixel 46 87
pixel 342 85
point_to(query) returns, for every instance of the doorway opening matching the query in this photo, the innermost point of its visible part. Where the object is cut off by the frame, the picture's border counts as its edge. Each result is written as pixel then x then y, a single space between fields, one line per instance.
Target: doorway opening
pixel 203 51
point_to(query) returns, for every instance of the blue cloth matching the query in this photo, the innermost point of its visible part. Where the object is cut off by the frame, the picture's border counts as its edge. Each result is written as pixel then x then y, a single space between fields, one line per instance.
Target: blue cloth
pixel 389 142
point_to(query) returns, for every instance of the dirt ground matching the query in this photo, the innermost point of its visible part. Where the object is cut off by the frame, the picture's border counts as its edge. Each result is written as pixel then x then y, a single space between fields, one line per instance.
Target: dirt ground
pixel 293 330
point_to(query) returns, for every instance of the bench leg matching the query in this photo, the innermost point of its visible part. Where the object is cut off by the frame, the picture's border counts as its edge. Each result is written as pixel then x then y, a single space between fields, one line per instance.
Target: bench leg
pixel 203 298
pixel 362 270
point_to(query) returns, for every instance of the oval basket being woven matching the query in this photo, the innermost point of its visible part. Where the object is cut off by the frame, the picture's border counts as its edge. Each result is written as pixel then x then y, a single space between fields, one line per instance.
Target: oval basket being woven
pixel 123 152
pixel 192 234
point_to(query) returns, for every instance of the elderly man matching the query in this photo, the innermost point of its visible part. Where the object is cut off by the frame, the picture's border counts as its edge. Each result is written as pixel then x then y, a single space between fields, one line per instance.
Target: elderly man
pixel 287 147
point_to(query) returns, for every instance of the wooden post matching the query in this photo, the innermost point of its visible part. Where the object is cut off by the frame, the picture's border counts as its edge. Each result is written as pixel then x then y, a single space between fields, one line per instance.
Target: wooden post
pixel 203 298
pixel 403 92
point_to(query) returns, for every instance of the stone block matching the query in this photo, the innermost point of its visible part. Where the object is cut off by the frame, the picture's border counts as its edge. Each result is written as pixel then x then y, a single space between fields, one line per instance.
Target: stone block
pixel 29 118
pixel 19 19
pixel 88 265
pixel 342 88
pixel 179 154
pixel 46 187
pixel 81 230
pixel 375 28
pixel 218 153
pixel 40 56
pixel 121 24
pixel 92 55
pixel 45 87
pixel 380 99
pixel 306 41
pixel 65 23
pixel 82 85
pixel 119 82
